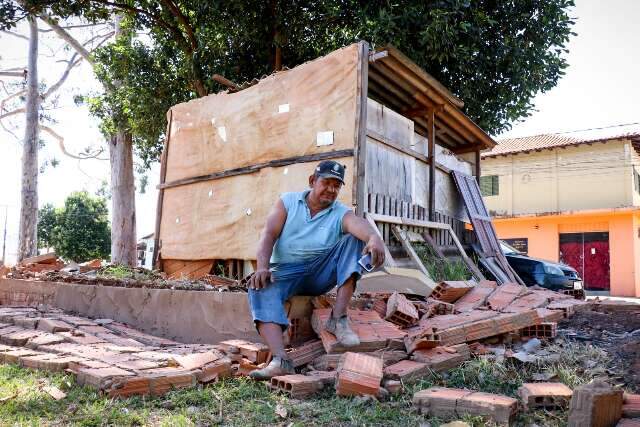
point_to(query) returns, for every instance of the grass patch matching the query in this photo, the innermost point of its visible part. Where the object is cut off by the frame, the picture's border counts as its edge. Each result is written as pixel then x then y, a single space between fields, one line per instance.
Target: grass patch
pixel 439 269
pixel 242 402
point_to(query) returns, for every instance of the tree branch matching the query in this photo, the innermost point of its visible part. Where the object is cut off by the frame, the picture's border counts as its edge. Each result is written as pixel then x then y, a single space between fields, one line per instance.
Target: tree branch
pixel 60 140
pixel 68 27
pixel 14 74
pixel 64 35
pixel 12 113
pixel 20 36
pixel 178 36
pixel 70 65
pixel 175 10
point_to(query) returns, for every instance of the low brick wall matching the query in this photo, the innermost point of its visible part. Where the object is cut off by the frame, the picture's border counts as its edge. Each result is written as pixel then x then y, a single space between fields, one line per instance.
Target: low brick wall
pixel 184 316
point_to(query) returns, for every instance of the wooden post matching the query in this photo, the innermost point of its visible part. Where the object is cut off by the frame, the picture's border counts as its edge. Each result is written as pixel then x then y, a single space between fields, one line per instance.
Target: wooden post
pixel 431 139
pixel 478 166
pixel 361 129
pixel 163 175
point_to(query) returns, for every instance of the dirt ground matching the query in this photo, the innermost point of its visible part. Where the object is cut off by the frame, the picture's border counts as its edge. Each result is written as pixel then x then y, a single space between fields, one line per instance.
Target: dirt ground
pixel 616 332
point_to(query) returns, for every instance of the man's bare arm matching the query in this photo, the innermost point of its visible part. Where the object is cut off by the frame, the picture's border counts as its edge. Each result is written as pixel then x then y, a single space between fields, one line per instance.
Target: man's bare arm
pixel 362 230
pixel 270 233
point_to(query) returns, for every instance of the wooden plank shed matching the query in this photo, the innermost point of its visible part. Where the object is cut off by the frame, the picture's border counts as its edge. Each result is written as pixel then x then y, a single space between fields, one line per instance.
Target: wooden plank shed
pixel 228 156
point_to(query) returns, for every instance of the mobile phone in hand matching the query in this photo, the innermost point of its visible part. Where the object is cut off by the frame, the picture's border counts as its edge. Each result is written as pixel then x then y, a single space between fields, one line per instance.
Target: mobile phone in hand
pixel 365 262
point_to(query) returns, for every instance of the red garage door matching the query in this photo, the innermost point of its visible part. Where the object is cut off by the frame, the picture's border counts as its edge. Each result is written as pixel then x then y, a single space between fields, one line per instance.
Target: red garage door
pixel 589 254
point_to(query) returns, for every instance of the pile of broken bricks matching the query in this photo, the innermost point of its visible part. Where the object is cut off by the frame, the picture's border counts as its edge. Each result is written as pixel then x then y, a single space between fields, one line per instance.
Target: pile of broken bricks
pixel 402 339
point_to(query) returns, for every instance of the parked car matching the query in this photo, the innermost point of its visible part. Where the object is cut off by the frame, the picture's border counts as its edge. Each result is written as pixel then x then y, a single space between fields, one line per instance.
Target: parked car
pixel 535 271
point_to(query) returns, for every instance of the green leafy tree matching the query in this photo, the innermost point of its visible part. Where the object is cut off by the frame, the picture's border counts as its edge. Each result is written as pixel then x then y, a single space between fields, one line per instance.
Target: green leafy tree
pixel 495 55
pixel 79 231
pixel 47 220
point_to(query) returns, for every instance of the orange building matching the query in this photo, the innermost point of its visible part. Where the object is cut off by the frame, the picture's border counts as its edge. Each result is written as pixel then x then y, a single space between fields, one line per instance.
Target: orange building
pixel 573 198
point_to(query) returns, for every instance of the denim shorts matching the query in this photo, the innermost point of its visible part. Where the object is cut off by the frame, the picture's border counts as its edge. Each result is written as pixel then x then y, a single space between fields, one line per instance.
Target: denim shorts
pixel 314 277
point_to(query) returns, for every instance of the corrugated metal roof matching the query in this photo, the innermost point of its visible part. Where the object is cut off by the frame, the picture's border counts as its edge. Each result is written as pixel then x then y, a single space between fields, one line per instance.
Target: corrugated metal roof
pixel 553 140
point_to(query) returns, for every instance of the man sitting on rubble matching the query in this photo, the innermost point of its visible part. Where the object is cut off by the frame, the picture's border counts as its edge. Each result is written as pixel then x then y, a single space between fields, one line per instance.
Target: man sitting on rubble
pixel 310 244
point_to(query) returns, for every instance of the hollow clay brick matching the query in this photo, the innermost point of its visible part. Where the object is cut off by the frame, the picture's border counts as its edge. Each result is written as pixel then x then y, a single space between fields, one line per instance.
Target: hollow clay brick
pixel 596 404
pixel 545 395
pixel 358 374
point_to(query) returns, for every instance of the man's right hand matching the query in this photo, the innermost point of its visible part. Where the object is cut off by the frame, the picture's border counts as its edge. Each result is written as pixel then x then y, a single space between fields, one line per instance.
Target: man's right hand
pixel 260 279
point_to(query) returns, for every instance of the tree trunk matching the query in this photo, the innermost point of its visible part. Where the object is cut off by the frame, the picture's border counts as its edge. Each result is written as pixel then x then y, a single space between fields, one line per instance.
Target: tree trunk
pixel 28 232
pixel 123 196
pixel 123 209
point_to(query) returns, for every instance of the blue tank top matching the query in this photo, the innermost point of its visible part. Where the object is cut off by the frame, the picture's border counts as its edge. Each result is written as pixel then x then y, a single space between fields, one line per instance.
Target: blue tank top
pixel 304 238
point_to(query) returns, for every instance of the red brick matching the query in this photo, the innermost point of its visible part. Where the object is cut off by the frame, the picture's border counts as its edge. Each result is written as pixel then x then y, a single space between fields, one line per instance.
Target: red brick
pixel 401 311
pixel 306 353
pixel 101 378
pixel 476 297
pixel 300 330
pixel 631 405
pixel 542 330
pixel 504 295
pixel 213 371
pixel 255 352
pixel 163 380
pixel 629 422
pixel 197 360
pixel 81 338
pixel 19 338
pixel 138 364
pixel 440 359
pixel 450 291
pixel 13 356
pixel 326 377
pixel 26 322
pixel 528 301
pixel 296 385
pixel 406 371
pixel 53 325
pixel 547 315
pixel 450 403
pixel 548 396
pixel 374 332
pixel 358 374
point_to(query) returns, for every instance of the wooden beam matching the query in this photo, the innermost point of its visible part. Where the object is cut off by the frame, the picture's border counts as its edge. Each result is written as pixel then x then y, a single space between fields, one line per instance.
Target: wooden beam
pixel 431 150
pixel 478 170
pixel 255 168
pixel 406 244
pixel 468 149
pixel 374 56
pixel 361 129
pixel 163 175
pixel 389 219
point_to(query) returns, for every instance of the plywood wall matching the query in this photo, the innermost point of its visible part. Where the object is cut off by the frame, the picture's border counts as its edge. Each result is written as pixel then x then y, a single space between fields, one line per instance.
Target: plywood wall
pixel 280 117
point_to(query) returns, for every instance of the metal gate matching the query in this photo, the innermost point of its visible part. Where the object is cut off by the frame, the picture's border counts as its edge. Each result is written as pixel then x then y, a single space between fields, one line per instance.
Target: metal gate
pixel 588 253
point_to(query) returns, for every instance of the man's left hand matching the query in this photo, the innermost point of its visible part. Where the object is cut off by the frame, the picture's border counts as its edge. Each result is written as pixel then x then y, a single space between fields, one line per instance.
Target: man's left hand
pixel 375 246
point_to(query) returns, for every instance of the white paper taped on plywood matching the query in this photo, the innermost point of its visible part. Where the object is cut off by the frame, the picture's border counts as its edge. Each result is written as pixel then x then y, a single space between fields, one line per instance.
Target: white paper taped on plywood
pixel 324 138
pixel 222 133
pixel 283 108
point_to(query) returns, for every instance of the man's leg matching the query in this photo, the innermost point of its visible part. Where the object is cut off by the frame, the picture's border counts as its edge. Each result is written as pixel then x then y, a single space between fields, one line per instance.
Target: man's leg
pixel 271 333
pixel 338 267
pixel 343 296
pixel 267 309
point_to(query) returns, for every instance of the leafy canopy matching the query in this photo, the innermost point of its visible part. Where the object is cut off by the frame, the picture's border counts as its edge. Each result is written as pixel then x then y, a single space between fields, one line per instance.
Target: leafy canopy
pixel 495 55
pixel 79 231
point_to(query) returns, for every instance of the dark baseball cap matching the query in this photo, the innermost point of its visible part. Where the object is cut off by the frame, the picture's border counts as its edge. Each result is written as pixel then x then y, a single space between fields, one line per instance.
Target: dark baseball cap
pixel 330 169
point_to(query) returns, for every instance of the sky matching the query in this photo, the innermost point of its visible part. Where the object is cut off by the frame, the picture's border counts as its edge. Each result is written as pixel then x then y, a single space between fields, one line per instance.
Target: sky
pixel 600 89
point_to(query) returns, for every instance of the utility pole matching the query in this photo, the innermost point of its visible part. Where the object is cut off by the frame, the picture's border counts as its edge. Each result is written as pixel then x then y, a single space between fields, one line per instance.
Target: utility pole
pixel 4 236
